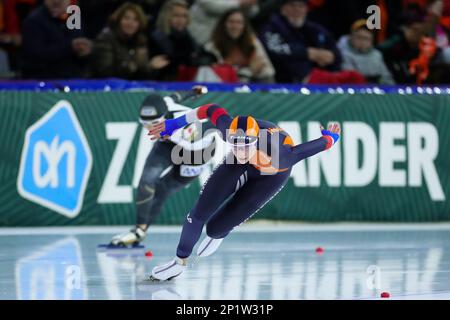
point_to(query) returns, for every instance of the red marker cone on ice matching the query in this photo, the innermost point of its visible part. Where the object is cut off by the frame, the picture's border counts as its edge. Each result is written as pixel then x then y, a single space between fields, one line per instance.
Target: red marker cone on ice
pixel 319 250
pixel 385 294
pixel 149 254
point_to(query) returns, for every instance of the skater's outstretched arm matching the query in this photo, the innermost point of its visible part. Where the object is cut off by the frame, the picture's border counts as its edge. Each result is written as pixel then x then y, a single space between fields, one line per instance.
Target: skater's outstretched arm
pixel 217 115
pixel 308 149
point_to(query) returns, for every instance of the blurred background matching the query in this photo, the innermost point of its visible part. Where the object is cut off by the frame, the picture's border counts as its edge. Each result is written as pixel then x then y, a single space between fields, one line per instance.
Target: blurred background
pixel 227 41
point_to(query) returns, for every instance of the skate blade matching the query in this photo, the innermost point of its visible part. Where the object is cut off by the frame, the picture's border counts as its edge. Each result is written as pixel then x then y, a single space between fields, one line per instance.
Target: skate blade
pixel 120 246
pixel 194 261
pixel 153 279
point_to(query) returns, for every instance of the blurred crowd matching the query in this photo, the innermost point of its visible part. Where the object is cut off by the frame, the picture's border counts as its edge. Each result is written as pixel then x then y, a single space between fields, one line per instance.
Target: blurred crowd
pixel 258 41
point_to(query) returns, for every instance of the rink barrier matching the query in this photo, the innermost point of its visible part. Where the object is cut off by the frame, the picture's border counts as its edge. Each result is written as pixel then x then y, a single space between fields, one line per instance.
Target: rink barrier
pixel 390 165
pixel 114 84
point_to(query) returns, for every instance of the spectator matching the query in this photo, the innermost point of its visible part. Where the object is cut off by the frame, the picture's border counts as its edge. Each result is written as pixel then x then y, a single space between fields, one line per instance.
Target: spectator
pixel 12 13
pixel 95 15
pixel 443 33
pixel 153 8
pixel 121 49
pixel 359 54
pixel 263 12
pixel 9 23
pixel 50 49
pixel 171 39
pixel 206 13
pixel 440 71
pixel 233 42
pixel 403 45
pixel 338 16
pixel 297 46
pixel 97 12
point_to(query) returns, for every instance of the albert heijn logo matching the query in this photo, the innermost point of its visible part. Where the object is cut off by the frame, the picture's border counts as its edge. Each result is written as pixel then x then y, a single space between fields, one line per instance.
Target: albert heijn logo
pixel 56 162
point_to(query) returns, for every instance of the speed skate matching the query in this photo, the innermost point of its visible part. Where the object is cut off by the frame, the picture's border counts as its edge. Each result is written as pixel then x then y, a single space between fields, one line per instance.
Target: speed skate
pixel 128 240
pixel 169 270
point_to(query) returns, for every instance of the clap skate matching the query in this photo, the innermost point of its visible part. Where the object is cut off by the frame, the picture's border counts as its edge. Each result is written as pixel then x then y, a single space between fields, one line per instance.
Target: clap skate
pixel 169 270
pixel 130 239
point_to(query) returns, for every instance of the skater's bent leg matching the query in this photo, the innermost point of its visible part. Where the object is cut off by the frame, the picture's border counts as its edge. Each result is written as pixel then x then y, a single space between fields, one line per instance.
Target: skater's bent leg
pixel 245 203
pixel 220 186
pixel 151 193
pixel 170 184
pixel 158 166
pixel 189 236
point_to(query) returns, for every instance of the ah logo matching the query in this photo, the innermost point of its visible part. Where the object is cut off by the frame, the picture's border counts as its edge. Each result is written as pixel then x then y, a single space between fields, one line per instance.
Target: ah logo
pixel 56 162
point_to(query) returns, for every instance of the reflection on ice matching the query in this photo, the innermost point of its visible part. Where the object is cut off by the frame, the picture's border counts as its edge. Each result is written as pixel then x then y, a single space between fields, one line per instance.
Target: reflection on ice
pixel 250 265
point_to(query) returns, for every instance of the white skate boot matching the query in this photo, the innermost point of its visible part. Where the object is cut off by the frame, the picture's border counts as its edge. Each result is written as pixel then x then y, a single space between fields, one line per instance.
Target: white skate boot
pixel 132 237
pixel 208 246
pixel 169 270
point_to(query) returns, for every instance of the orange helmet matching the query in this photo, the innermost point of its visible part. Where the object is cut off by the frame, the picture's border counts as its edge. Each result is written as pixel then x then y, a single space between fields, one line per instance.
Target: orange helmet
pixel 243 130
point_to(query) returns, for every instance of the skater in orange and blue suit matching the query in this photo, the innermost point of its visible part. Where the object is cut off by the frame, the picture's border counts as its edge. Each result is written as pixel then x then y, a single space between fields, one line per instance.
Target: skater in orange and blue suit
pixel 258 167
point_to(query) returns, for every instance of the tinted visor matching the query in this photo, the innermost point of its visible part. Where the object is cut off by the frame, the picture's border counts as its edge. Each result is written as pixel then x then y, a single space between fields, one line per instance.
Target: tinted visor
pixel 241 140
pixel 151 121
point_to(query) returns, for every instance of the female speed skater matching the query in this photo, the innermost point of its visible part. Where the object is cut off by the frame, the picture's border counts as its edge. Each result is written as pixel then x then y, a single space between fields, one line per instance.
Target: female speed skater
pixel 252 174
pixel 161 177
